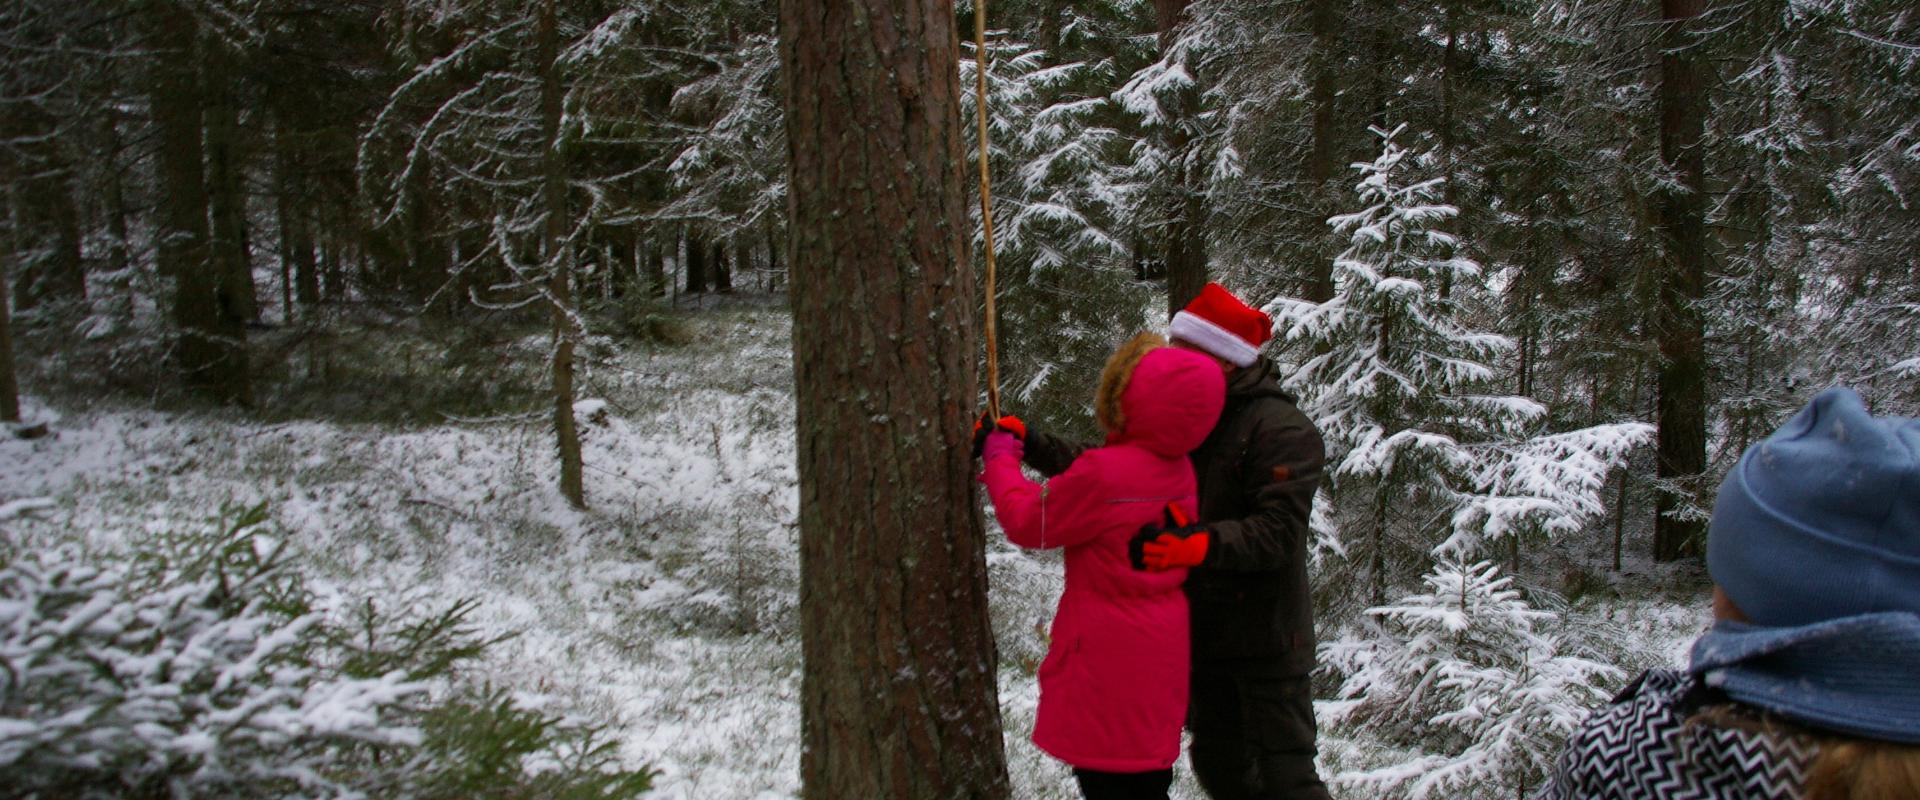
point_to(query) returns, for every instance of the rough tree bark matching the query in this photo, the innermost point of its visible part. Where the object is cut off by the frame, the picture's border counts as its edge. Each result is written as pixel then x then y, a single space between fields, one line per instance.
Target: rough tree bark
pixel 212 352
pixel 1682 439
pixel 898 690
pixel 554 196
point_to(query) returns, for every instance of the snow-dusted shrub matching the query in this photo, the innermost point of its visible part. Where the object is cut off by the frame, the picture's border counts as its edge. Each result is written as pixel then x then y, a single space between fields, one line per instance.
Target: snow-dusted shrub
pixel 199 666
pixel 1461 681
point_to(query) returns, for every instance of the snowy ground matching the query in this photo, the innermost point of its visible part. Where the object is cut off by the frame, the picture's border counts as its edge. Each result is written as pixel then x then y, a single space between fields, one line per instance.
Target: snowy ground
pixel 668 609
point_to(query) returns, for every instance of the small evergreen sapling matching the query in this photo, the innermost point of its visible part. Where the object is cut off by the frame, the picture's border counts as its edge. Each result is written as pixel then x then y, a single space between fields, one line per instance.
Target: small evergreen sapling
pixel 1462 677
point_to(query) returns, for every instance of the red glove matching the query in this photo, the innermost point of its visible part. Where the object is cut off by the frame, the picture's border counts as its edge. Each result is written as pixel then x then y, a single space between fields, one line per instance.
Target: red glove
pixel 1171 551
pixel 1009 423
pixel 1175 543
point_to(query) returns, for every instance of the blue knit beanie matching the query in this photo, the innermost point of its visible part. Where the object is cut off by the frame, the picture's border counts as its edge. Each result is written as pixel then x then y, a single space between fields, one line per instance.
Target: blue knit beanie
pixel 1821 520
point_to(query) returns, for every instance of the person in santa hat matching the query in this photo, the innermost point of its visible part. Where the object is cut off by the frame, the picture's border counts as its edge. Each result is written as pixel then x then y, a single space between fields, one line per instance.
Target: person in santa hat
pixel 1251 708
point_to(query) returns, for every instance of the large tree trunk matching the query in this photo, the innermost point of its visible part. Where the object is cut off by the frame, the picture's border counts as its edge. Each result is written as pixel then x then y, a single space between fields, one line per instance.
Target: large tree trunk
pixel 554 197
pixel 1187 232
pixel 898 695
pixel 1682 446
pixel 212 351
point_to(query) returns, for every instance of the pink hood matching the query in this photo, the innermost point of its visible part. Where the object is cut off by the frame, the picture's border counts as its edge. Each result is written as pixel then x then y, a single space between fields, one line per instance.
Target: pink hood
pixel 1172 401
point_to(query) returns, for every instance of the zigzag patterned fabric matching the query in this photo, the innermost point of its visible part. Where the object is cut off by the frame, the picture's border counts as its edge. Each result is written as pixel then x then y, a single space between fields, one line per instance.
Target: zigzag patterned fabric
pixel 1642 747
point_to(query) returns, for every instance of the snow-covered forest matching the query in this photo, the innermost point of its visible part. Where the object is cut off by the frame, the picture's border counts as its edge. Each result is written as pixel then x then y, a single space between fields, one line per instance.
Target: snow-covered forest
pixel 411 399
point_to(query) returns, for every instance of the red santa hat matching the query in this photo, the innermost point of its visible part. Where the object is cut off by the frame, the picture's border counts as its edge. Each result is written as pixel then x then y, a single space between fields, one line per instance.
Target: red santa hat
pixel 1223 325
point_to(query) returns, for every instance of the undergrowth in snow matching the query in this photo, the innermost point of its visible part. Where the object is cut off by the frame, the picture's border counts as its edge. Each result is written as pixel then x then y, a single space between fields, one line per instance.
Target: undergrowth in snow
pixel 666 612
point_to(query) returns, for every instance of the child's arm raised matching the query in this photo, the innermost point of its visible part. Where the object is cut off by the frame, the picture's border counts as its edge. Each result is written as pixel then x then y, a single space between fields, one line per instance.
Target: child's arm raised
pixel 1035 516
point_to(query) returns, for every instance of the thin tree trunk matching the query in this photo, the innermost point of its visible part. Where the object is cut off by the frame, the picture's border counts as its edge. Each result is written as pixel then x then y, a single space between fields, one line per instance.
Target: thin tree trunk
pixel 1682 446
pixel 898 694
pixel 67 271
pixel 554 196
pixel 1449 73
pixel 296 223
pixel 656 267
pixel 212 350
pixel 9 385
pixel 772 261
pixel 120 250
pixel 722 268
pixel 1620 520
pixel 427 266
pixel 697 279
pixel 46 215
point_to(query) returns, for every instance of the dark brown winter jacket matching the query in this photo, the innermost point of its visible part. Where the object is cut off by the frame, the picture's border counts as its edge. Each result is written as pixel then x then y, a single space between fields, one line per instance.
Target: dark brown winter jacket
pixel 1258 470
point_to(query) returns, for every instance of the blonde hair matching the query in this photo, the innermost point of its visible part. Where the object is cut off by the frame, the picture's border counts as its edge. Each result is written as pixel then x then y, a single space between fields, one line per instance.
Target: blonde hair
pixel 1115 377
pixel 1843 767
pixel 1858 769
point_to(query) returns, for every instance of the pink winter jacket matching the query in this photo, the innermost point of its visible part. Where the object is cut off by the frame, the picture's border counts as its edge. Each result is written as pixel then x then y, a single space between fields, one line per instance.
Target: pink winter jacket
pixel 1113 687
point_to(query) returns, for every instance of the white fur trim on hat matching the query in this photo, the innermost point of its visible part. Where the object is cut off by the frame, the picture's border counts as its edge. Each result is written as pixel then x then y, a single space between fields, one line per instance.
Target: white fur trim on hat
pixel 1197 331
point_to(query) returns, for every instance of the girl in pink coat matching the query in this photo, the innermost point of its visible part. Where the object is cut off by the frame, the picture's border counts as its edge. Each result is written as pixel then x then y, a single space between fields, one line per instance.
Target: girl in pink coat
pixel 1113 687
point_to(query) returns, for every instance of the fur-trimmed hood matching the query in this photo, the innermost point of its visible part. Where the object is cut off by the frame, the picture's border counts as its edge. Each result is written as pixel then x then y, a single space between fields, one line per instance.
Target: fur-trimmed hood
pixel 1168 401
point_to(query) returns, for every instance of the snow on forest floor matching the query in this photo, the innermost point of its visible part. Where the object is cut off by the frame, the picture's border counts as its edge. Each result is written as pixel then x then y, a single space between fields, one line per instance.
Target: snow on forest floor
pixel 667 610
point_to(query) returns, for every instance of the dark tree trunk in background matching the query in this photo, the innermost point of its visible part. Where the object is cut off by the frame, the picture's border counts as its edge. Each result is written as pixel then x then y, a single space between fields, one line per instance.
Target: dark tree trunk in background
pixel 697 280
pixel 427 266
pixel 722 268
pixel 1682 446
pixel 49 230
pixel 296 220
pixel 9 385
pixel 1187 231
pixel 774 269
pixel 226 187
pixel 554 197
pixel 1323 157
pixel 120 249
pixel 212 351
pixel 898 695
pixel 655 269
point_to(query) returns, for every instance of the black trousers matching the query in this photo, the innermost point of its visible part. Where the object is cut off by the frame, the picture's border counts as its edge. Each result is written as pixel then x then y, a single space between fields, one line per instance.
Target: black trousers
pixel 1096 785
pixel 1253 734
